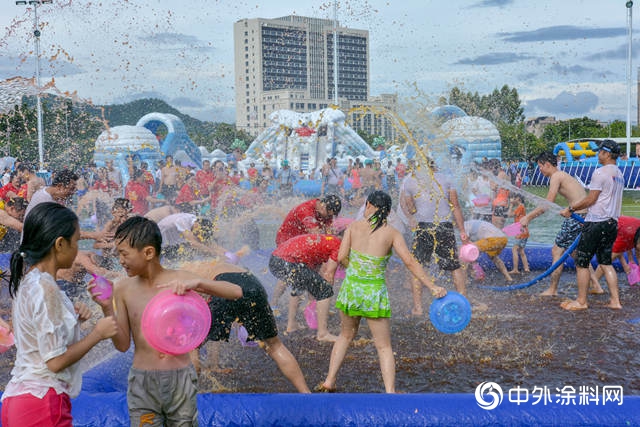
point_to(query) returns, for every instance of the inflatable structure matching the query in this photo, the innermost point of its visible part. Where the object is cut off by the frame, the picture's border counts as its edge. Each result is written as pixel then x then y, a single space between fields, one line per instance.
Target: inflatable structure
pixel 306 140
pixel 471 139
pixel 142 144
pixel 578 149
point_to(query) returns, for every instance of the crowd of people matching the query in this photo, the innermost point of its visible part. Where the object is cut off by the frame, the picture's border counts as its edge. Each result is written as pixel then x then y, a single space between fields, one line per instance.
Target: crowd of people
pixel 146 228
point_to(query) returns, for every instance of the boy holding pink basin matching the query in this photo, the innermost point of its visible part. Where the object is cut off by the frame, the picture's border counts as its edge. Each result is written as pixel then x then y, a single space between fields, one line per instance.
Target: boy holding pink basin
pixel 162 387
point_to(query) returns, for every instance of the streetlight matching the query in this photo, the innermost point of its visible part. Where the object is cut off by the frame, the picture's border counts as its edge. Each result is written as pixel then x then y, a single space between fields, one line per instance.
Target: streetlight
pixel 36 33
pixel 629 5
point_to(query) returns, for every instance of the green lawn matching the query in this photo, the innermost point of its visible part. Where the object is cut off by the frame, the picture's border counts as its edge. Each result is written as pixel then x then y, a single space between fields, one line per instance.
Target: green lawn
pixel 630 200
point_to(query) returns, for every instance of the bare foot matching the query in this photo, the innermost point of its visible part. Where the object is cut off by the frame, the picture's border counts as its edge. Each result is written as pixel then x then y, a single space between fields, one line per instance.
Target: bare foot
pixel 514 272
pixel 296 328
pixel 572 305
pixel 220 370
pixel 549 293
pixel 596 291
pixel 526 271
pixel 327 338
pixel 614 306
pixel 415 313
pixel 478 306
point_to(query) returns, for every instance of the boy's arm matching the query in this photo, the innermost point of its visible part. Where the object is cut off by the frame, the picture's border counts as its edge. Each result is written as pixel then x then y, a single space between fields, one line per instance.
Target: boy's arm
pixel 554 187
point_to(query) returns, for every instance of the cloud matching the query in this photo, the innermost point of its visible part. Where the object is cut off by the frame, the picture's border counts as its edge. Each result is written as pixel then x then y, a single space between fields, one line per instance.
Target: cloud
pixel 573 69
pixel 18 66
pixel 565 103
pixel 495 58
pixel 176 40
pixel 186 102
pixel 618 53
pixel 171 38
pixel 140 95
pixel 214 114
pixel 493 3
pixel 562 32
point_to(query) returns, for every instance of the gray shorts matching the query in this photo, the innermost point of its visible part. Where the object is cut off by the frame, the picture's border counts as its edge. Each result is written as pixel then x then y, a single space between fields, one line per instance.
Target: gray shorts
pixel 159 398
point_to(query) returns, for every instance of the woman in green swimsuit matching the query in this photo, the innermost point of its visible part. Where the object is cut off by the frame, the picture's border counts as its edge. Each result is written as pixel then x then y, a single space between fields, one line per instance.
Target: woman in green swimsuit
pixel 365 250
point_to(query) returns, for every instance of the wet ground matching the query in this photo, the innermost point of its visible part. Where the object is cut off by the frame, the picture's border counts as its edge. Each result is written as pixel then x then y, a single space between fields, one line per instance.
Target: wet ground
pixel 519 339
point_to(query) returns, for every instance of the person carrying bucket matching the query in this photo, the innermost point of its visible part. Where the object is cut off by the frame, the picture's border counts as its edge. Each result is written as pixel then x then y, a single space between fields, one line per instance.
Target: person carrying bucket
pixel 490 240
pixel 626 241
pixel 429 200
pixel 162 388
pixel 365 250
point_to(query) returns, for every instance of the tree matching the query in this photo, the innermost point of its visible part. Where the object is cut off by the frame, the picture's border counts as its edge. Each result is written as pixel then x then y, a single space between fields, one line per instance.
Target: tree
pixel 517 143
pixel 503 108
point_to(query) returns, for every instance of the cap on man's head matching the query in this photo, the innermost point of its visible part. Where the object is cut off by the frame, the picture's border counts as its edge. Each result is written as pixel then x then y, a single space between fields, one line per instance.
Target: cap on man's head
pixel 284 163
pixel 332 203
pixel 609 145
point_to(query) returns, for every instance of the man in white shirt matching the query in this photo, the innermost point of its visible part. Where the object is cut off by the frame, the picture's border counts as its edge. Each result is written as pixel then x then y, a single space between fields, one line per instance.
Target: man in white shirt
pixel 604 203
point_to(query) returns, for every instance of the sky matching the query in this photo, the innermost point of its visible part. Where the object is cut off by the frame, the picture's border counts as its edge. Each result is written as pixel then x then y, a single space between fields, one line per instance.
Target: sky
pixel 566 58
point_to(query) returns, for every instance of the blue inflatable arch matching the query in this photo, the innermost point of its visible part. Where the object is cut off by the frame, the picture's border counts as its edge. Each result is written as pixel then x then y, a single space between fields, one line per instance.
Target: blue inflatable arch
pixel 176 138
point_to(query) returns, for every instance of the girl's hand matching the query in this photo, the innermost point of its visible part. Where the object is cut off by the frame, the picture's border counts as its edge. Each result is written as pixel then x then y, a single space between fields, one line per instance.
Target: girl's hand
pixel 106 327
pixel 438 291
pixel 83 311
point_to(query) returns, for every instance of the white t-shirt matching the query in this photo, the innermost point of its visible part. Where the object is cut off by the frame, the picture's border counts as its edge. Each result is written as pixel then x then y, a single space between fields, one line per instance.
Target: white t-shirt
pixel 478 230
pixel 44 325
pixel 172 227
pixel 610 181
pixel 430 195
pixel 40 196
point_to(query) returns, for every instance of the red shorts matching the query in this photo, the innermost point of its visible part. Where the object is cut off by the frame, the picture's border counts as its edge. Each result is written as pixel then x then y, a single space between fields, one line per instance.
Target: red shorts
pixel 26 410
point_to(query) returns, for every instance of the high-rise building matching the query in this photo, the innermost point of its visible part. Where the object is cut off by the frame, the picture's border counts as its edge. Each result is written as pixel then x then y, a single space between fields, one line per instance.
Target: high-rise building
pixel 288 63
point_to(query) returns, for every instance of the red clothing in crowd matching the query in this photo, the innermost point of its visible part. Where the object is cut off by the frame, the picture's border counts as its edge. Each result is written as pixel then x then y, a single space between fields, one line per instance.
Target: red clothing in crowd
pixel 252 173
pixel 186 195
pixel 204 179
pixel 627 227
pixel 401 170
pixel 301 220
pixel 149 180
pixel 518 213
pixel 105 185
pixel 313 250
pixel 23 190
pixel 8 188
pixel 137 193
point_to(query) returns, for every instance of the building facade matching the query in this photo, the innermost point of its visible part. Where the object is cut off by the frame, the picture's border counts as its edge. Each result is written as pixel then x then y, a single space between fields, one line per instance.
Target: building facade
pixel 287 63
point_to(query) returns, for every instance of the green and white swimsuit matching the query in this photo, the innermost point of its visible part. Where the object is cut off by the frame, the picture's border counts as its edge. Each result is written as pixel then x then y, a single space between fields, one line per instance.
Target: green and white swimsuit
pixel 363 291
